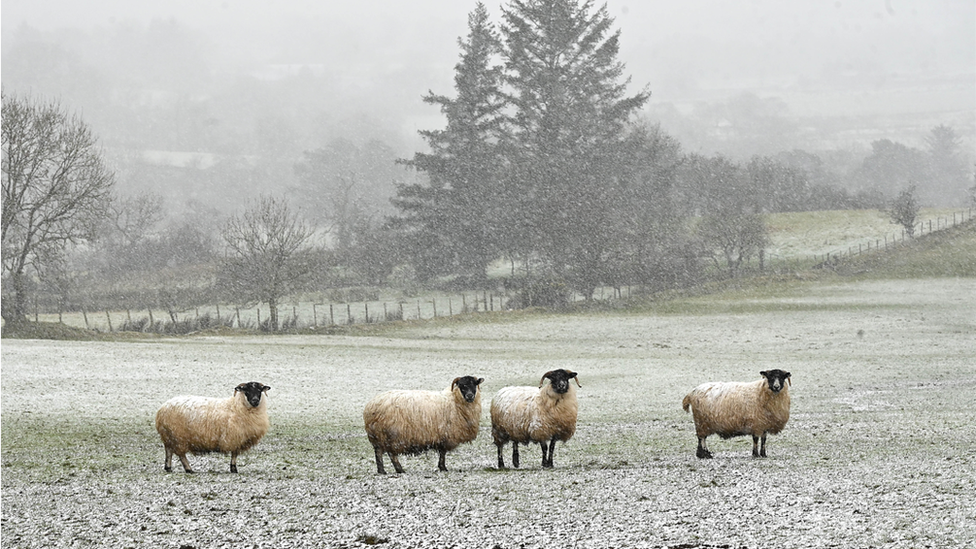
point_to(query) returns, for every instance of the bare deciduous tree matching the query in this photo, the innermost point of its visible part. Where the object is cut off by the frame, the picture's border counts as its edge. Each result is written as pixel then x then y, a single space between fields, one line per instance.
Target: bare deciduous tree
pixel 56 189
pixel 738 236
pixel 904 209
pixel 269 255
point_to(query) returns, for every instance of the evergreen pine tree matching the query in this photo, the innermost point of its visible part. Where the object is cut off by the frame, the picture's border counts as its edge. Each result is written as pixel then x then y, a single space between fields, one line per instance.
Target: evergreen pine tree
pixel 452 220
pixel 568 126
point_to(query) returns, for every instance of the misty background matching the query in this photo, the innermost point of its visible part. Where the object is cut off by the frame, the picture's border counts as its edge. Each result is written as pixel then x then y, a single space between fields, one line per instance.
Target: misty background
pixel 210 103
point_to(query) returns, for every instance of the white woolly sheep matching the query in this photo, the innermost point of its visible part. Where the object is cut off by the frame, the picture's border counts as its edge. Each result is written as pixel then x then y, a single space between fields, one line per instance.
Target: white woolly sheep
pixel 731 409
pixel 412 421
pixel 201 425
pixel 543 414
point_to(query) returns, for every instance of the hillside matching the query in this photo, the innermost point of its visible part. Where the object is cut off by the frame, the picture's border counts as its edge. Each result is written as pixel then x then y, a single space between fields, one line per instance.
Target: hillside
pixel 947 253
pixel 801 235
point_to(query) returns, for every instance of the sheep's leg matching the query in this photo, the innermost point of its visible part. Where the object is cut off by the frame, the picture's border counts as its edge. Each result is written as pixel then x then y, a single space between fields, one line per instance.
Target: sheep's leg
pixel 379 461
pixel 702 452
pixel 547 458
pixel 233 462
pixel 441 459
pixel 755 446
pixel 396 463
pixel 168 465
pixel 501 460
pixel 186 463
pixel 762 451
pixel 515 455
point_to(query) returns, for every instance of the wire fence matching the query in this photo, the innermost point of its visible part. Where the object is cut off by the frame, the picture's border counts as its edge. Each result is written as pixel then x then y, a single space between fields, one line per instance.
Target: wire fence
pixel 890 241
pixel 291 314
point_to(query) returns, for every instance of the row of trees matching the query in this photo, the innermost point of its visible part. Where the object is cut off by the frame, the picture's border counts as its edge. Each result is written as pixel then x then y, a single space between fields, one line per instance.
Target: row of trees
pixel 544 160
pixel 58 194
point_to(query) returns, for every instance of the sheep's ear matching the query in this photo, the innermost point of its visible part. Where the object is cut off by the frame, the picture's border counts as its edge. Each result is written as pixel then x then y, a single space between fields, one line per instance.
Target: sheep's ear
pixel 266 389
pixel 764 374
pixel 480 379
pixel 454 383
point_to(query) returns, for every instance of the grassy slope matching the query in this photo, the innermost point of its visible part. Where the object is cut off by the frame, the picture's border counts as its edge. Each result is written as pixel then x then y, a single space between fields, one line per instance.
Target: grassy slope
pixel 947 253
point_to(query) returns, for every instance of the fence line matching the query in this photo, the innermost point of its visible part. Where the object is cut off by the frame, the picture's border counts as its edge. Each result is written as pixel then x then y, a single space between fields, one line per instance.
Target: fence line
pixel 921 228
pixel 294 314
pixel 306 314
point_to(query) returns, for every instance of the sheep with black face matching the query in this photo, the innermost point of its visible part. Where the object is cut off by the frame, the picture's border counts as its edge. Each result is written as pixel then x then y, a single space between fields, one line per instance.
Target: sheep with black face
pixel 731 409
pixel 201 425
pixel 414 421
pixel 544 414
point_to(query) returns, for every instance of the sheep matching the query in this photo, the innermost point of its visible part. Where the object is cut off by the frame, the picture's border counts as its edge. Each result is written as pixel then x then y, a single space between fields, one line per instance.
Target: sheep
pixel 731 409
pixel 202 425
pixel 413 421
pixel 535 414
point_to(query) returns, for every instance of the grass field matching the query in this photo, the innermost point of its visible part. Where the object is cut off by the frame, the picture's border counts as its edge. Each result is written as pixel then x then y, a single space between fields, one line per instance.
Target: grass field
pixel 878 452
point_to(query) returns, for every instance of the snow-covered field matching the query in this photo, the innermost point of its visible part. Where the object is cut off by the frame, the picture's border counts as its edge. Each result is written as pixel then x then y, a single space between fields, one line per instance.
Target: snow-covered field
pixel 878 452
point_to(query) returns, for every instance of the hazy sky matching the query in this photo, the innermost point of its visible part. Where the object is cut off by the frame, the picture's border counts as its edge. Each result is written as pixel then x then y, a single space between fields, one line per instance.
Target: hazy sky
pixel 665 43
pixel 809 52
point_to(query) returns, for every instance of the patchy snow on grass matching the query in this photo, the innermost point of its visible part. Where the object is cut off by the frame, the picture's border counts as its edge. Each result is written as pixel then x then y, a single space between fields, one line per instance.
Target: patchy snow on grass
pixel 878 451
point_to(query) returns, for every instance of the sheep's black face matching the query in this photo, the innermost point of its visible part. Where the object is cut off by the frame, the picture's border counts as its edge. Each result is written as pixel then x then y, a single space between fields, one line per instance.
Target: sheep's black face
pixel 252 392
pixel 468 386
pixel 559 379
pixel 776 379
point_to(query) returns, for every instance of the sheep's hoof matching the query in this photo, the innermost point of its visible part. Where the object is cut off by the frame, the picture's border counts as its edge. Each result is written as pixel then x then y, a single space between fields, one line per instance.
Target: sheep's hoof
pixel 703 454
pixel 168 469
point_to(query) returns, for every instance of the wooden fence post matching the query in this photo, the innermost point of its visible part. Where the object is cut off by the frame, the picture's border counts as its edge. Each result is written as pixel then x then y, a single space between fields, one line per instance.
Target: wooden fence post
pixel 109 318
pixel 315 316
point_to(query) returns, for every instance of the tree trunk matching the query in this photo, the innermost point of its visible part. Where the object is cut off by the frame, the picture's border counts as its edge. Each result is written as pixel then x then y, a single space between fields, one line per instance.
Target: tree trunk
pixel 17 310
pixel 9 314
pixel 273 311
